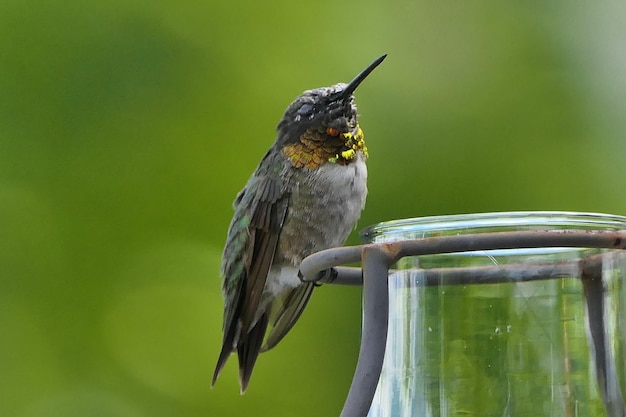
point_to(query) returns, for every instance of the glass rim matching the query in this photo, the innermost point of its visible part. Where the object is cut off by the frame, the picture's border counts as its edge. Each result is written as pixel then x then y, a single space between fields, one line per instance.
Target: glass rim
pixel 495 219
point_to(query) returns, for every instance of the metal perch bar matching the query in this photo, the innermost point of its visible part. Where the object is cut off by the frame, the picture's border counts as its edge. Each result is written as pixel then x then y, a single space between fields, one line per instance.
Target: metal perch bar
pixel 376 259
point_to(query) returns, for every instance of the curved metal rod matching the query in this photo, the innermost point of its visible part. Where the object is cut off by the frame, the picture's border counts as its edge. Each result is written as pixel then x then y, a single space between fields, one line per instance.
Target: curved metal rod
pixel 318 262
pixel 376 263
pixel 604 361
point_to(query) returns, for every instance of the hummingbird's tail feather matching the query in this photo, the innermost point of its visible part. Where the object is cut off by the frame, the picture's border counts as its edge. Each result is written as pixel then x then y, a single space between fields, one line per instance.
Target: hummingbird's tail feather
pixel 248 350
pixel 232 328
pixel 231 331
pixel 221 361
pixel 286 310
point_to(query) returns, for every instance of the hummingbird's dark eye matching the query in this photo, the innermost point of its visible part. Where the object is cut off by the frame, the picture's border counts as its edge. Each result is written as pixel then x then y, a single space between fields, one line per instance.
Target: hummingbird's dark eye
pixel 305 109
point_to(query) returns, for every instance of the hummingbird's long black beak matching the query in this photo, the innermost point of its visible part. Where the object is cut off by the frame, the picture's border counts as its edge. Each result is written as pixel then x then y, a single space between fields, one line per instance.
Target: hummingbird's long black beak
pixel 359 78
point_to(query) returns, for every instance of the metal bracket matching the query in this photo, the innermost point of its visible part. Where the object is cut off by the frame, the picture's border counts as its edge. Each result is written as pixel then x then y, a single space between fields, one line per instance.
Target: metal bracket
pixel 376 259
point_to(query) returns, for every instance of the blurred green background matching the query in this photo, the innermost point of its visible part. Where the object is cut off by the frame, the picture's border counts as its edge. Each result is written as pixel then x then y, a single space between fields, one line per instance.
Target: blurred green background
pixel 128 127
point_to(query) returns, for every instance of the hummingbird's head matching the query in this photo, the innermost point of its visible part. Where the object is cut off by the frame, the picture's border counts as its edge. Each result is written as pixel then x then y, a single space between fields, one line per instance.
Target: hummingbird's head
pixel 325 108
pixel 321 125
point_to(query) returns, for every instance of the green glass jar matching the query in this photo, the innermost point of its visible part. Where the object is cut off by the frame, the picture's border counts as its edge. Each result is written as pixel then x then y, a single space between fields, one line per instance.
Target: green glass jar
pixel 510 346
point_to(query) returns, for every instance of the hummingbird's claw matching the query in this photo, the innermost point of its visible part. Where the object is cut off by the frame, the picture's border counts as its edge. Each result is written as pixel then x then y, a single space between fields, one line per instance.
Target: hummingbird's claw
pixel 323 277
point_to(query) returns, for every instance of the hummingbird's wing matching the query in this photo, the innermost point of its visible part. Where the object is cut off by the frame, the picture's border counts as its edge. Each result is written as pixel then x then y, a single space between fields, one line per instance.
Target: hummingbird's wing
pixel 260 211
pixel 286 310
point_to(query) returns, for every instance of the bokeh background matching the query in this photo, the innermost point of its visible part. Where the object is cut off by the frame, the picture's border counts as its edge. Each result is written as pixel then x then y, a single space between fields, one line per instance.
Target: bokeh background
pixel 128 127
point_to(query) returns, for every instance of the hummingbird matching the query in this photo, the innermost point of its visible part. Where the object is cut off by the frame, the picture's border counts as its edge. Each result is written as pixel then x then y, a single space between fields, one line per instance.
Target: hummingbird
pixel 306 195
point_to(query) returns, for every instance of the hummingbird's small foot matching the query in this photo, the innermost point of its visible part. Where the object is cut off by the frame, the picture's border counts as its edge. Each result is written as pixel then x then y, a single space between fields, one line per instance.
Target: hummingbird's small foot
pixel 323 277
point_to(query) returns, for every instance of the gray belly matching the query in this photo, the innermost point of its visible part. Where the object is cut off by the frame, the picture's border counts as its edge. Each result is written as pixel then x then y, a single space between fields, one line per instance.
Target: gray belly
pixel 324 207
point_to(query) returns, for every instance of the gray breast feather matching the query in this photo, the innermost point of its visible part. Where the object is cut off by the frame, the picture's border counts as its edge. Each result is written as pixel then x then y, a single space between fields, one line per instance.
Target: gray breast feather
pixel 324 207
